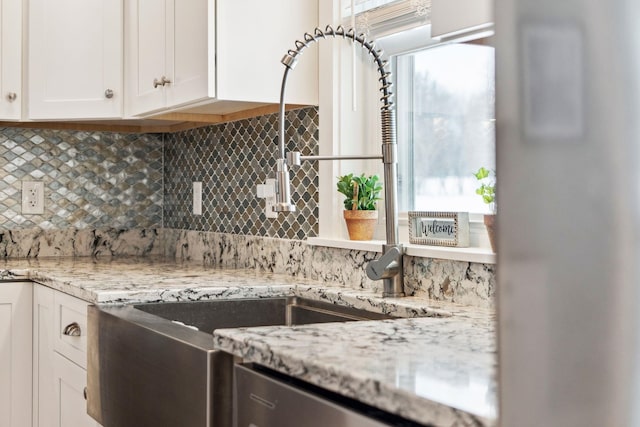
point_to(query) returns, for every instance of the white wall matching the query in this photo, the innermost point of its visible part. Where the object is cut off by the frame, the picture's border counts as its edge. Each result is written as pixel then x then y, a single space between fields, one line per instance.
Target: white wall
pixel 343 129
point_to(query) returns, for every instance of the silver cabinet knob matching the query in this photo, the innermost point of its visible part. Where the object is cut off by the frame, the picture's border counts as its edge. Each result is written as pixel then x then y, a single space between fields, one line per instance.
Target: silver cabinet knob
pixel 108 93
pixel 12 96
pixel 72 330
pixel 163 81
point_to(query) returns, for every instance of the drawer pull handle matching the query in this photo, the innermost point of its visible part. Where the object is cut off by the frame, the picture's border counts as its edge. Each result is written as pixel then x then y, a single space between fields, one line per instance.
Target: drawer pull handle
pixel 84 393
pixel 72 330
pixel 262 401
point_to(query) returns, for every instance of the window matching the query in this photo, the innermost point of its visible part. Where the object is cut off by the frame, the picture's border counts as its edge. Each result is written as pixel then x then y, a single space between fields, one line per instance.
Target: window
pixel 445 98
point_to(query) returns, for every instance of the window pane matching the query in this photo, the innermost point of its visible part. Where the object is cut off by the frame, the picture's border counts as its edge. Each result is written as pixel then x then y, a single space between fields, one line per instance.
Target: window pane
pixel 446 126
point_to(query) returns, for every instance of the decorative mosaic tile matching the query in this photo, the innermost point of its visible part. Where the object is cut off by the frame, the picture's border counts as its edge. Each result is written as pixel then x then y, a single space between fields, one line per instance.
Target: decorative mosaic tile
pixel 91 179
pixel 230 159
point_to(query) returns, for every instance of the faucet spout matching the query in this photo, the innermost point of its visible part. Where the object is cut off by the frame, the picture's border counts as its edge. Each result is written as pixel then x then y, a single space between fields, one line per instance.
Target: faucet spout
pixel 389 267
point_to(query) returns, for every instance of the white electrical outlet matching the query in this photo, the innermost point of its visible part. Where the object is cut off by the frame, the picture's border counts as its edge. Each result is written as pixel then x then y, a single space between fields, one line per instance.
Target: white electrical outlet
pixel 197 198
pixel 32 197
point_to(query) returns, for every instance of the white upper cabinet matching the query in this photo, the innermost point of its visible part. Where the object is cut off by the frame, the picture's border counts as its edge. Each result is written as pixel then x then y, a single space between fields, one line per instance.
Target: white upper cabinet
pixel 75 59
pixel 168 62
pixel 253 36
pixel 214 56
pixel 10 59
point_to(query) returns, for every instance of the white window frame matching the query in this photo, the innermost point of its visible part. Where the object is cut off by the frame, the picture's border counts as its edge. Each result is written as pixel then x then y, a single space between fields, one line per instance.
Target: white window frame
pixel 342 131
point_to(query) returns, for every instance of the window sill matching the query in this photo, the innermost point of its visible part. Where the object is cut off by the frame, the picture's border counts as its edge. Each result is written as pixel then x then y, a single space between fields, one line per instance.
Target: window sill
pixel 479 255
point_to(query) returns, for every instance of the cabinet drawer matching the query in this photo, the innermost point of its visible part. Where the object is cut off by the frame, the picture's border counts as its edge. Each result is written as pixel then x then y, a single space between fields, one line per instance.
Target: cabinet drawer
pixel 70 322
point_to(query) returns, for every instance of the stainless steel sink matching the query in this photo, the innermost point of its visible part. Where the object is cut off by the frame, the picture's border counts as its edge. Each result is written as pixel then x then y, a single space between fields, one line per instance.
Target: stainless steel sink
pixel 146 370
pixel 216 314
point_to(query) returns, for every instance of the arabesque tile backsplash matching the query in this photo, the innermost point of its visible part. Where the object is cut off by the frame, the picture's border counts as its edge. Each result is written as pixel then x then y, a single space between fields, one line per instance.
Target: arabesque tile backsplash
pixel 230 159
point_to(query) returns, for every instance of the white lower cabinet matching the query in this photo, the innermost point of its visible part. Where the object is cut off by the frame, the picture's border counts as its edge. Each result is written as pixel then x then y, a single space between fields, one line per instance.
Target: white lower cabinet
pixel 43 353
pixel 15 354
pixel 60 378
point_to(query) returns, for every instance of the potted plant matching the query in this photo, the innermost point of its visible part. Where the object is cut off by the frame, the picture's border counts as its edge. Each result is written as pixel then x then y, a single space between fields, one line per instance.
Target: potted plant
pixel 487 191
pixel 361 196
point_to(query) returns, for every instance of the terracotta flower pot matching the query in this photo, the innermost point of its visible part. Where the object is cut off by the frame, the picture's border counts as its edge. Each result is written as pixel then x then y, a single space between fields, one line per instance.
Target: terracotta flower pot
pixel 490 223
pixel 361 224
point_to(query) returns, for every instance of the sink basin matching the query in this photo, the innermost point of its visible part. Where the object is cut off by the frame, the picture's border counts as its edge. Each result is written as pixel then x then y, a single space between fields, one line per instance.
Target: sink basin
pixel 216 314
pixel 144 369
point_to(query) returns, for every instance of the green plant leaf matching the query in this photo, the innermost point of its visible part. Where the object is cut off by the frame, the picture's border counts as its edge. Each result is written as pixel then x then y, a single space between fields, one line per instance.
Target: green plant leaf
pixel 487 189
pixel 369 190
pixel 482 173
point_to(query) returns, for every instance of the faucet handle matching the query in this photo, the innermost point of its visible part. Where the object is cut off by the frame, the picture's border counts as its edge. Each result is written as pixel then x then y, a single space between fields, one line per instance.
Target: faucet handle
pixel 386 266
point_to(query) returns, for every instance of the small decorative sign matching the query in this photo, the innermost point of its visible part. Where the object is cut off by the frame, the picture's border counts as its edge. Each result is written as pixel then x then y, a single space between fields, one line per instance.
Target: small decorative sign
pixel 439 228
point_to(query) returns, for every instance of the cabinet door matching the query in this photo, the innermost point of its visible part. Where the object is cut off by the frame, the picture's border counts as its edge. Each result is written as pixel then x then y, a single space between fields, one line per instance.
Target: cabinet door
pixel 146 29
pixel 15 354
pixel 251 45
pixel 70 403
pixel 43 338
pixel 75 59
pixel 174 40
pixel 10 59
pixel 191 51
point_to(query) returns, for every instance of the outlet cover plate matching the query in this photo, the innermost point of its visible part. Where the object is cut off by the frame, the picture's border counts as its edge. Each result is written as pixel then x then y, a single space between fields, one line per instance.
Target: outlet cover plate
pixel 197 197
pixel 270 201
pixel 32 197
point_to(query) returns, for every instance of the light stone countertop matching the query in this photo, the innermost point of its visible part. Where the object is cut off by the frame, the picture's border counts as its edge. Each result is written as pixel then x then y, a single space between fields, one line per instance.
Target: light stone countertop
pixel 437 370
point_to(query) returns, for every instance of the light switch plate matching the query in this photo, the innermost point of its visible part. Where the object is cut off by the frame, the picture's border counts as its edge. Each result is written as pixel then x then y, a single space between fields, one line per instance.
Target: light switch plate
pixel 270 200
pixel 32 197
pixel 197 198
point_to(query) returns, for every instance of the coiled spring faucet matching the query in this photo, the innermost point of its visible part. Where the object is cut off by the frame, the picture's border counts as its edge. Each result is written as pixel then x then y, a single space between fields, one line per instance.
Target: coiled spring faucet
pixel 388 267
